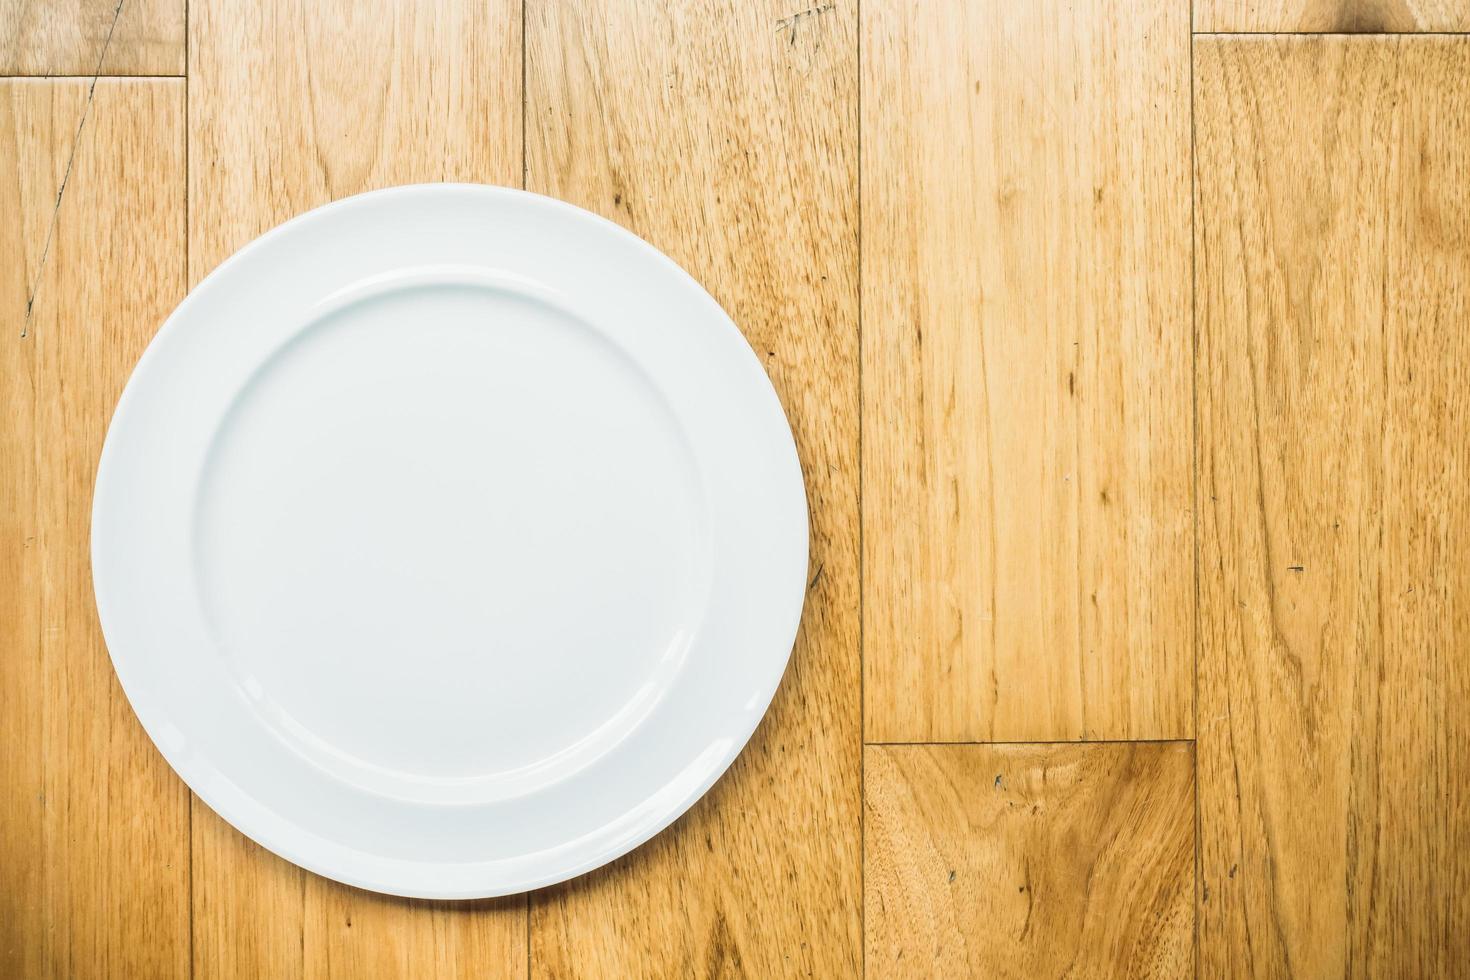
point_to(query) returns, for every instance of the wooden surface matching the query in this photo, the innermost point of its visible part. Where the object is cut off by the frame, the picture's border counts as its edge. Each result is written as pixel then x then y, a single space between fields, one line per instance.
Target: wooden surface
pixel 732 146
pixel 1076 473
pixel 1331 16
pixel 1030 860
pixel 1026 352
pixel 94 844
pixel 85 37
pixel 1334 296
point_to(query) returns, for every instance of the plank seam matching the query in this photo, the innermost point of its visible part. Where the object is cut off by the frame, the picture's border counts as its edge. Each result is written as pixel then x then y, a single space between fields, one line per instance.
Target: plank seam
pixel 1042 741
pixel 525 185
pixel 188 252
pixel 862 540
pixel 63 78
pixel 1337 34
pixel 1194 479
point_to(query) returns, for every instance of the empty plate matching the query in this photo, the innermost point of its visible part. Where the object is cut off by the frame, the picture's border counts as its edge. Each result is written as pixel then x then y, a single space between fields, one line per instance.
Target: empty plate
pixel 449 541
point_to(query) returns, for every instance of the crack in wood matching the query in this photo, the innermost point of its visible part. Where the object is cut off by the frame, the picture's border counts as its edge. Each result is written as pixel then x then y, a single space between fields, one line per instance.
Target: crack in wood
pixel 66 174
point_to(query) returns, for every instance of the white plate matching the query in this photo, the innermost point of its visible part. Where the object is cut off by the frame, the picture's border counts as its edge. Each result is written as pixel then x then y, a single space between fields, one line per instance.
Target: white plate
pixel 449 541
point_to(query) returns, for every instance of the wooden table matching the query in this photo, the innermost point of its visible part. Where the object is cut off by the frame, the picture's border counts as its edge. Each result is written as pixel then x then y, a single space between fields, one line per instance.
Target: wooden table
pixel 1127 364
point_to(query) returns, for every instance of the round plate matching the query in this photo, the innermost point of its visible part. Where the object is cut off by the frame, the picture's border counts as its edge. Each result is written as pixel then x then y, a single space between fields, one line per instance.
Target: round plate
pixel 449 541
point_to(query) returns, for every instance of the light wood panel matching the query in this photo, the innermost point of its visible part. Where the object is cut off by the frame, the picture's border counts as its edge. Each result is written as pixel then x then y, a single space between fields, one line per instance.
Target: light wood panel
pixel 294 103
pixel 1030 860
pixel 352 934
pixel 249 914
pixel 94 841
pixel 1334 292
pixel 86 37
pixel 726 135
pixel 1340 16
pixel 1026 350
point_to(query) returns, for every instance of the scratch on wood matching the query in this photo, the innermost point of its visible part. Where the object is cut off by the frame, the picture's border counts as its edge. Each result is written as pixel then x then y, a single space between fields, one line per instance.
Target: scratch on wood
pixel 66 174
pixel 789 23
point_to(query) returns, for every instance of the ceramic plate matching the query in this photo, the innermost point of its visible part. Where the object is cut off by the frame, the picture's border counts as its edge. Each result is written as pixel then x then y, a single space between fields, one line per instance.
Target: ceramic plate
pixel 449 541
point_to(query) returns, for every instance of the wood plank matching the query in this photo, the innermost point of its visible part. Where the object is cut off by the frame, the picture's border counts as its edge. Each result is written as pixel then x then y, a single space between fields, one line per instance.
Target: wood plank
pixel 1331 16
pixel 87 37
pixel 95 847
pixel 1030 860
pixel 295 103
pixel 353 934
pixel 726 135
pixel 249 914
pixel 273 920
pixel 1334 428
pixel 1026 348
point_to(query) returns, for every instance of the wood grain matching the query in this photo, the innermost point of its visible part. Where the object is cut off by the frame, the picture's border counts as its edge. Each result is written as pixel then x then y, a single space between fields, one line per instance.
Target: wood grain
pixel 726 134
pixel 88 37
pixel 1334 289
pixel 1331 16
pixel 94 840
pixel 1026 350
pixel 294 103
pixel 1030 861
pixel 352 934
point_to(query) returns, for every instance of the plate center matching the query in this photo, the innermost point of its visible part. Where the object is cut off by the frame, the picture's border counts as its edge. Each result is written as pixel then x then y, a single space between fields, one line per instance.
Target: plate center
pixel 451 541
